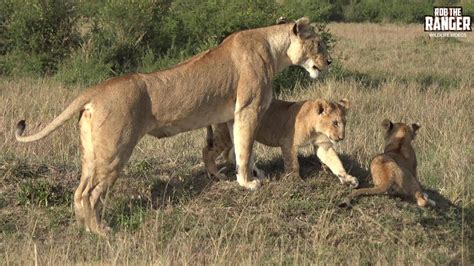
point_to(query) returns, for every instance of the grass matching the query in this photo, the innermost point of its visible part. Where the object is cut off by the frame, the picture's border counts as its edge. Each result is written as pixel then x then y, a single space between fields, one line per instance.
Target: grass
pixel 165 210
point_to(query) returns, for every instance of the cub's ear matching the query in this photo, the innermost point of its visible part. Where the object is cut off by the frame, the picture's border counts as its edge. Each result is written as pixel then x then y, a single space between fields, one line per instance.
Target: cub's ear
pixel 321 107
pixel 303 29
pixel 387 124
pixel 282 20
pixel 344 103
pixel 415 126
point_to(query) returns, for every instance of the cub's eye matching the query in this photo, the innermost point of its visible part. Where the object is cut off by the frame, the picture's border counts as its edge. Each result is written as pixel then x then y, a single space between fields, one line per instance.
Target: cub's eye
pixel 335 123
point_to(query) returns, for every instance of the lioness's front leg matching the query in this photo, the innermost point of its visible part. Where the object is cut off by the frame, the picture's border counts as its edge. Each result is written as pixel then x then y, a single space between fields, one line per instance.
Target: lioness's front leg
pixel 250 107
pixel 328 156
pixel 245 124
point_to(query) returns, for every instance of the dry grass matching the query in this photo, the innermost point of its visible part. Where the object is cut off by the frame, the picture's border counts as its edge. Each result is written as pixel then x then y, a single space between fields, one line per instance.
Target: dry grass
pixel 166 211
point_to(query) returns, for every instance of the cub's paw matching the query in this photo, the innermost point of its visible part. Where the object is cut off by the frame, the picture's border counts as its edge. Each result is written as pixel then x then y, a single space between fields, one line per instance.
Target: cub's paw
pixel 260 174
pixel 292 176
pixel 219 176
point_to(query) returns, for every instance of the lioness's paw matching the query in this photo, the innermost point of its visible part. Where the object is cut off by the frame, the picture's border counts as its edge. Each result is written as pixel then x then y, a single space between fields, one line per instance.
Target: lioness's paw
pixel 252 185
pixel 349 180
pixel 101 230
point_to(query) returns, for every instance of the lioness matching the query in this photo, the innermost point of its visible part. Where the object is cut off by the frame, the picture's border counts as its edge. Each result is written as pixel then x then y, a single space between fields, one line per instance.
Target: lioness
pixel 394 170
pixel 290 125
pixel 232 81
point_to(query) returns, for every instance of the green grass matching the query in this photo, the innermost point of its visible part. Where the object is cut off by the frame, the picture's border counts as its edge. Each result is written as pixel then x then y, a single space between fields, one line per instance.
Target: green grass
pixel 165 210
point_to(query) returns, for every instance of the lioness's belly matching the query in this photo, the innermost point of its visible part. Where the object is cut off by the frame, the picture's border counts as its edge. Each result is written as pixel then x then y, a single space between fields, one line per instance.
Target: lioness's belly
pixel 200 117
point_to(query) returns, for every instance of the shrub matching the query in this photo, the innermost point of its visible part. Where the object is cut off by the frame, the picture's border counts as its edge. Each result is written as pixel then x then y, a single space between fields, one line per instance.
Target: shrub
pixel 84 69
pixel 41 31
pixel 86 42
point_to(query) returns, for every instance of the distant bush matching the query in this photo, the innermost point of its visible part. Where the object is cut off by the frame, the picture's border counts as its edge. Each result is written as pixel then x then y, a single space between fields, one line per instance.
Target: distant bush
pixel 406 11
pixel 88 41
pixel 37 35
pixel 83 68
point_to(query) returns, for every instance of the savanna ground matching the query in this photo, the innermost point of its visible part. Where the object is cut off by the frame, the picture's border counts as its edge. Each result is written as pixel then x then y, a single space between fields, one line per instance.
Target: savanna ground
pixel 165 210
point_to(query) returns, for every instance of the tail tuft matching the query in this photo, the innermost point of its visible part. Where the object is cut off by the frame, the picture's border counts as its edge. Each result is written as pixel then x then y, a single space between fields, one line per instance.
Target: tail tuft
pixel 20 128
pixel 346 203
pixel 210 137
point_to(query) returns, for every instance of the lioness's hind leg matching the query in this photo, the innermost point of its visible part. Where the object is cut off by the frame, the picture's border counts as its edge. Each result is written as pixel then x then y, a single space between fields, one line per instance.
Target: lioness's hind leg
pixel 87 166
pixel 104 156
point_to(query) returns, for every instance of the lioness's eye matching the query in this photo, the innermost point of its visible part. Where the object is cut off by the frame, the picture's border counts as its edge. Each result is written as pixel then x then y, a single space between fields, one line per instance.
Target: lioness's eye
pixel 335 123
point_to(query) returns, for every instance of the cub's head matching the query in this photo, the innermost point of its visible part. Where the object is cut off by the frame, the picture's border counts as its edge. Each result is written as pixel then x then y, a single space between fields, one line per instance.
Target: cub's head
pixel 331 118
pixel 399 132
pixel 307 49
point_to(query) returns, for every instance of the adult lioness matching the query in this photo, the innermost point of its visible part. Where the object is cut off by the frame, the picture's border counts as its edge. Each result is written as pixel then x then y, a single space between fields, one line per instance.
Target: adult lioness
pixel 230 81
pixel 290 125
pixel 394 170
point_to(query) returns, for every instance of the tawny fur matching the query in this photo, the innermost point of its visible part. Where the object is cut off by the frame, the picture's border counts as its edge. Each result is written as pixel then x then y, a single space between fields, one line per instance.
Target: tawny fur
pixel 232 81
pixel 290 125
pixel 394 171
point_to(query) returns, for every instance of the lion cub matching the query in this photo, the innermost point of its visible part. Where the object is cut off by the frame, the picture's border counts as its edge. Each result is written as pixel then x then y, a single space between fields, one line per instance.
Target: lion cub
pixel 290 125
pixel 394 171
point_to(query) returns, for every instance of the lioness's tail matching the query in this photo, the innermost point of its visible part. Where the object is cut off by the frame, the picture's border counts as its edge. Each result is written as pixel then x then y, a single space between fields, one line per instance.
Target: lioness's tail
pixel 210 137
pixel 76 105
pixel 365 191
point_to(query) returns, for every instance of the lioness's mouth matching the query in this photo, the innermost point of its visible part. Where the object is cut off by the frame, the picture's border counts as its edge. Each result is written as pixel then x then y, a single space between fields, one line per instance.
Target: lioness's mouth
pixel 316 68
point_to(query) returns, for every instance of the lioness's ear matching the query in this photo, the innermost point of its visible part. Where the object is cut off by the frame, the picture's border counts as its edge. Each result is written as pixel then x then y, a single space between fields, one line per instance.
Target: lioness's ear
pixel 415 126
pixel 387 124
pixel 344 103
pixel 281 20
pixel 303 29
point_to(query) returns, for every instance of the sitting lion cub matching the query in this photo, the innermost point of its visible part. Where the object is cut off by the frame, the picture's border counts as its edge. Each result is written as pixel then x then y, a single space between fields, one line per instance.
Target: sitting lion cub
pixel 290 125
pixel 394 170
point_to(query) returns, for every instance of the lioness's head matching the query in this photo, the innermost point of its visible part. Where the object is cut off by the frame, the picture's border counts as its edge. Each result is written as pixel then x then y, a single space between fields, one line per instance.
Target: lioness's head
pixel 399 132
pixel 331 118
pixel 307 49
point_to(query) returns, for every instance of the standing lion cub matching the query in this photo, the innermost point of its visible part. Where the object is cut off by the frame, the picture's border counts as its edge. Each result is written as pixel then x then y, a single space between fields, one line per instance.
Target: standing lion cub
pixel 290 125
pixel 394 170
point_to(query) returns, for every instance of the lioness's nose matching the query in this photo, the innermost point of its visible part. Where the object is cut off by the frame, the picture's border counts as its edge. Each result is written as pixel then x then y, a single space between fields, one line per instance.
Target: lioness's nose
pixel 329 61
pixel 340 138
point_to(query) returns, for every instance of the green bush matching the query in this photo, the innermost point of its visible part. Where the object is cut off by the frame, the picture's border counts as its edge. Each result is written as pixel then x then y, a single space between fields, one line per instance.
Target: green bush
pixel 156 35
pixel 84 69
pixel 122 31
pixel 88 41
pixel 38 35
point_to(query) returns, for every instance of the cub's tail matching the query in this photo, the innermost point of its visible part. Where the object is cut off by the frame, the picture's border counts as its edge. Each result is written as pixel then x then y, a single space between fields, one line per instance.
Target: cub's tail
pixel 365 191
